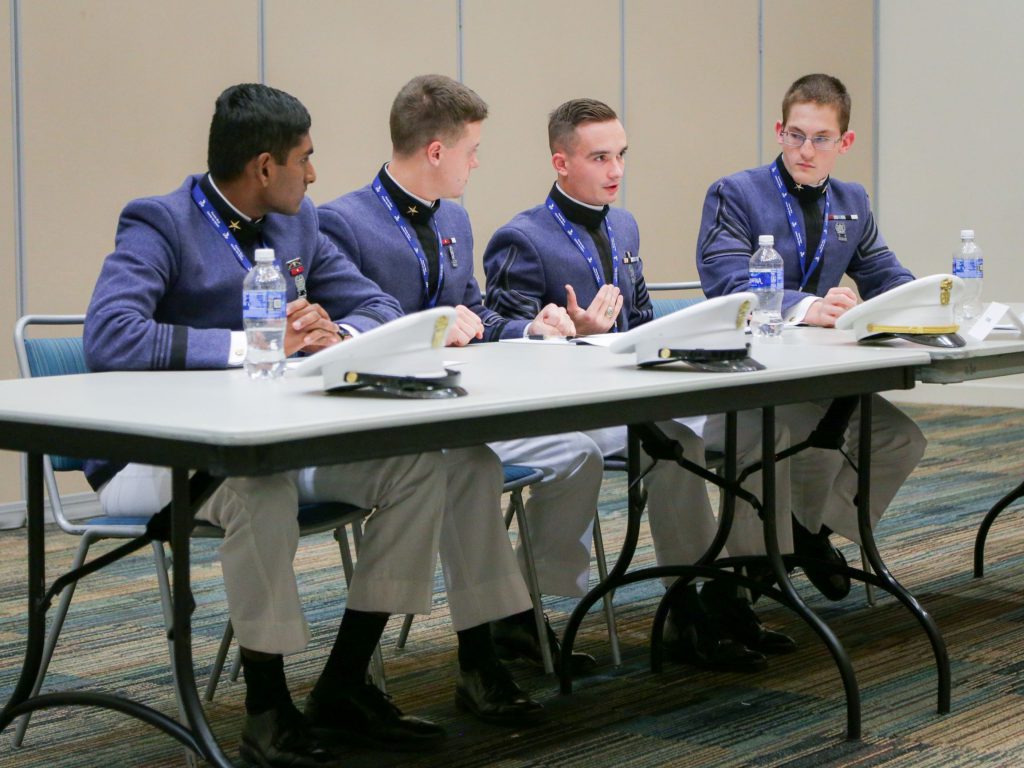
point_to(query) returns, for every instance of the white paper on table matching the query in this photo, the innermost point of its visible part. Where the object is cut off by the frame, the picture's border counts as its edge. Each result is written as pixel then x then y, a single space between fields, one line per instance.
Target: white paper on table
pixel 989 321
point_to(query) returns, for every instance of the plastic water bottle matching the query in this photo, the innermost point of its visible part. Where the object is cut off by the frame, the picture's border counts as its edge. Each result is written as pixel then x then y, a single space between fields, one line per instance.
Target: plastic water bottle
pixel 969 266
pixel 766 281
pixel 264 314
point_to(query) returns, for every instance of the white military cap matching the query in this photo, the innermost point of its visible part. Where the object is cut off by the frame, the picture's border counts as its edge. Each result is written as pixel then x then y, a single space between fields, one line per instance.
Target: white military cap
pixel 920 311
pixel 708 336
pixel 403 358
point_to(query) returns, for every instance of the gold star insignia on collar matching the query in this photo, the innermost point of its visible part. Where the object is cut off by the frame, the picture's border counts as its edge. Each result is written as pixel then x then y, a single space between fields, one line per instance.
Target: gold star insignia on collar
pixel 800 187
pixel 235 226
pixel 412 210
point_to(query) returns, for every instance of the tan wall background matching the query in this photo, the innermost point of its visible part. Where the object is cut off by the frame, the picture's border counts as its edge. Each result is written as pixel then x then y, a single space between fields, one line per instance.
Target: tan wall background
pixel 951 103
pixel 117 96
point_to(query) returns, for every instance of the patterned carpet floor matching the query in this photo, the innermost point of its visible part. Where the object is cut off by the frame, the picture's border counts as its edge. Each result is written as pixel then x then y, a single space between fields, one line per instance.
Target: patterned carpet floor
pixel 791 715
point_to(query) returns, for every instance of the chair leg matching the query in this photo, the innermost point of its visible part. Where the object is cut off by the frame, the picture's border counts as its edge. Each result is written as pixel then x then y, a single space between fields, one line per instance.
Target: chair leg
pixel 54 633
pixel 218 663
pixel 236 667
pixel 609 607
pixel 403 633
pixel 519 510
pixel 869 590
pixel 348 566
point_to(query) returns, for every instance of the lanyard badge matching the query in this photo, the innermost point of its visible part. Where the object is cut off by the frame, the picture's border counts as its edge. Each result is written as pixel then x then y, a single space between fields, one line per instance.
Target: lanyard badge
pixel 410 237
pixel 218 224
pixel 570 232
pixel 798 231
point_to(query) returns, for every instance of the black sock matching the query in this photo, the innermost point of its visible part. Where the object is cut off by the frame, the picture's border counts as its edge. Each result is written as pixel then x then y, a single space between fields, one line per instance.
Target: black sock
pixel 346 665
pixel 524 619
pixel 265 685
pixel 476 650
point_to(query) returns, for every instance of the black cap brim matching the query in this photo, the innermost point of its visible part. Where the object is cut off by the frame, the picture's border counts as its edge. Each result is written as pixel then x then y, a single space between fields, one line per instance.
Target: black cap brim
pixel 942 340
pixel 408 387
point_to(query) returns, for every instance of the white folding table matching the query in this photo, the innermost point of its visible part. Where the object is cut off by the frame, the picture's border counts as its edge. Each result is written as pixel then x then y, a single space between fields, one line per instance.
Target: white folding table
pixel 218 423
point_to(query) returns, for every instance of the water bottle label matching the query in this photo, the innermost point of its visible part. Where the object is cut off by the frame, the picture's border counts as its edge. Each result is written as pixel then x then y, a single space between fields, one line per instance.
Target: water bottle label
pixel 969 268
pixel 766 279
pixel 260 305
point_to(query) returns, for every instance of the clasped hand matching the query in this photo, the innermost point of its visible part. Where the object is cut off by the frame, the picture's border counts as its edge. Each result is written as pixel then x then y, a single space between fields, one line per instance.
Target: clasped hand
pixel 826 310
pixel 308 328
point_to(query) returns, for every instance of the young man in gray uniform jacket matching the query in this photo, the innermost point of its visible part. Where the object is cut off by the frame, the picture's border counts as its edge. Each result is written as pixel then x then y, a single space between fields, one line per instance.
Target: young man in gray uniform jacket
pixel 170 297
pixel 823 229
pixel 576 248
pixel 403 232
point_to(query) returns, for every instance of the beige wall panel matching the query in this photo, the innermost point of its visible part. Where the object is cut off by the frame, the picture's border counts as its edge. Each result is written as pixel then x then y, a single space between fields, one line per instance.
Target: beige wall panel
pixel 346 61
pixel 691 113
pixel 118 97
pixel 802 36
pixel 949 157
pixel 950 103
pixel 10 486
pixel 524 59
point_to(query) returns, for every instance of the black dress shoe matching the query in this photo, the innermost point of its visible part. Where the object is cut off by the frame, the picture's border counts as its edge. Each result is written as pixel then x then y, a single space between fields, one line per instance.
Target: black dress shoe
pixel 281 738
pixel 490 694
pixel 517 639
pixel 708 648
pixel 363 715
pixel 737 617
pixel 834 586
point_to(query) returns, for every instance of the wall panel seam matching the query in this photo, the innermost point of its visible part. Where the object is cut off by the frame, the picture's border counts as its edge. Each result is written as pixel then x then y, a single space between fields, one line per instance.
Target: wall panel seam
pixel 17 161
pixel 459 50
pixel 261 40
pixel 876 160
pixel 624 183
pixel 760 83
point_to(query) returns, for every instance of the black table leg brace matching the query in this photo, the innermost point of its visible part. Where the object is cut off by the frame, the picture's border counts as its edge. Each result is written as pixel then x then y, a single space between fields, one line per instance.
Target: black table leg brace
pixel 173 523
pixel 829 434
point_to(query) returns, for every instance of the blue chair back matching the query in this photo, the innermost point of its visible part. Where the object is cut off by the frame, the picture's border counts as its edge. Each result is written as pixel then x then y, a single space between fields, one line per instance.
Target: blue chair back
pixel 51 357
pixel 664 307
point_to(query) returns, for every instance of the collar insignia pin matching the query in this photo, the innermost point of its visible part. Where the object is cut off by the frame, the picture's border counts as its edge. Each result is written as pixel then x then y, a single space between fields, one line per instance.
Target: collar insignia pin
pixel 235 226
pixel 412 211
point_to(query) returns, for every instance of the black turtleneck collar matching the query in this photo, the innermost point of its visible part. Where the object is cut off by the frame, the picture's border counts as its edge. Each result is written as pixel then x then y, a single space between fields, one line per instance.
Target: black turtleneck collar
pixel 247 232
pixel 412 209
pixel 801 192
pixel 576 213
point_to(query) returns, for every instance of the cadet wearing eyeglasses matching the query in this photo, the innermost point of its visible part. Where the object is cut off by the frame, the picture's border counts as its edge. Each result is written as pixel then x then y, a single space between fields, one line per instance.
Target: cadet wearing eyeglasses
pixel 823 229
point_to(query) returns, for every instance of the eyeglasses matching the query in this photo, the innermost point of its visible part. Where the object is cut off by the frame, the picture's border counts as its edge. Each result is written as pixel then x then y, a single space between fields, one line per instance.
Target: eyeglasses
pixel 820 143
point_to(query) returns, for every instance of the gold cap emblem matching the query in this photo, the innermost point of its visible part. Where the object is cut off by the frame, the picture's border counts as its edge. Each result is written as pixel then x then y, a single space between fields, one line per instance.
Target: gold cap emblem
pixel 664 353
pixel 945 287
pixel 440 327
pixel 351 377
pixel 741 316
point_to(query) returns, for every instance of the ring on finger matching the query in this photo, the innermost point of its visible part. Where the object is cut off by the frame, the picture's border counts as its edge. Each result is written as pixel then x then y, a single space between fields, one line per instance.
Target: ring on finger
pixel 610 312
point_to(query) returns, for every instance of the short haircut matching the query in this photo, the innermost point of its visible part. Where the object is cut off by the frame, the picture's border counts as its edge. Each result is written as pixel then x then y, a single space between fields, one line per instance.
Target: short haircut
pixel 563 121
pixel 823 90
pixel 432 108
pixel 248 120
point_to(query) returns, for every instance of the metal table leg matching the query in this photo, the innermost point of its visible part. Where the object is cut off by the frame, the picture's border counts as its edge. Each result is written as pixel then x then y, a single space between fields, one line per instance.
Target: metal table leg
pixel 786 595
pixel 990 517
pixel 771 541
pixel 881 571
pixel 187 496
pixel 181 530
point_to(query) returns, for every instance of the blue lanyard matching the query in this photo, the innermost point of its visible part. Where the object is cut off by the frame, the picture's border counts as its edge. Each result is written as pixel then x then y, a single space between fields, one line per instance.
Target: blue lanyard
pixel 218 224
pixel 798 231
pixel 570 232
pixel 410 236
